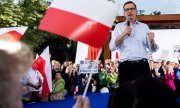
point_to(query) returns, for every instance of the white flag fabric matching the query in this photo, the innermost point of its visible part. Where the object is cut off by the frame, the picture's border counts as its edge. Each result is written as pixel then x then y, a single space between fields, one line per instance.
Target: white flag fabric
pixel 81 52
pixel 15 33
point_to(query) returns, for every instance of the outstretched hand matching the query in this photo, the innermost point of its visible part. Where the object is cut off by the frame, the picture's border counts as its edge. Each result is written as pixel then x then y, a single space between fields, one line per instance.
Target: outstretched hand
pixel 80 103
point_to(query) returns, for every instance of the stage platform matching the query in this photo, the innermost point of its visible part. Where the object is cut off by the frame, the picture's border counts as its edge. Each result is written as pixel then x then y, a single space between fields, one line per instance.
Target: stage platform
pixel 97 100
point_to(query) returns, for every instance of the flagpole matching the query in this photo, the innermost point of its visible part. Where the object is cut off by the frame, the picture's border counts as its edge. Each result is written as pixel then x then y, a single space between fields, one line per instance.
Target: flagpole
pixel 90 76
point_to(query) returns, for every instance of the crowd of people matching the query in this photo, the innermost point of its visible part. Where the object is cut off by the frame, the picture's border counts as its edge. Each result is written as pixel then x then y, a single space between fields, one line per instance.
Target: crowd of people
pixel 130 90
pixel 67 80
pixel 165 71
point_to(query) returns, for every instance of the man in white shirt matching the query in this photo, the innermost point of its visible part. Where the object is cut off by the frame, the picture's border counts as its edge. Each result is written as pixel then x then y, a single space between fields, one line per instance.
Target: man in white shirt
pixel 33 81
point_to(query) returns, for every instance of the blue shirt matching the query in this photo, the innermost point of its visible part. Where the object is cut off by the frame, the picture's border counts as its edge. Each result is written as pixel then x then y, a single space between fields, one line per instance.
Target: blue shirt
pixel 134 47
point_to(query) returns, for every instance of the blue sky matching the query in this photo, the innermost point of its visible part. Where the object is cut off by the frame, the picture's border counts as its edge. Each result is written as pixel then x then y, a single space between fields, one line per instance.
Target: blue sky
pixel 164 6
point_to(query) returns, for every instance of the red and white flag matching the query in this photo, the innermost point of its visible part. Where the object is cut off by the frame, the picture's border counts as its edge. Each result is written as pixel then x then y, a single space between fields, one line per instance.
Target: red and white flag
pixel 15 33
pixel 87 21
pixel 85 51
pixel 42 64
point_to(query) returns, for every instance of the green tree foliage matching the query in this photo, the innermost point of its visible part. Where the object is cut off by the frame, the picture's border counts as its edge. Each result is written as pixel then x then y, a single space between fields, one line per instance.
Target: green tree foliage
pixel 157 13
pixel 30 13
pixel 141 12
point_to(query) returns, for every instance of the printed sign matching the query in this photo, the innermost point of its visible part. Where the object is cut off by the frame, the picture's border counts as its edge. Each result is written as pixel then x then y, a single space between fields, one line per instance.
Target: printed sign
pixel 176 51
pixel 88 66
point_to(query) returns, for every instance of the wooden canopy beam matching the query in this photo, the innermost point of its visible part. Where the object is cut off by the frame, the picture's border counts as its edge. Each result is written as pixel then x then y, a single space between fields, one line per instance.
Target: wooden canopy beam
pixel 155 19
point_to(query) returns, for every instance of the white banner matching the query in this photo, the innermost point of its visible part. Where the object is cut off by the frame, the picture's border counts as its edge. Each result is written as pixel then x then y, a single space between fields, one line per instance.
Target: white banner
pixel 88 66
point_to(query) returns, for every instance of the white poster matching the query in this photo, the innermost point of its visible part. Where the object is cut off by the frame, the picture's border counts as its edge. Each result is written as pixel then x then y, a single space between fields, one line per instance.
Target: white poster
pixel 88 66
pixel 176 51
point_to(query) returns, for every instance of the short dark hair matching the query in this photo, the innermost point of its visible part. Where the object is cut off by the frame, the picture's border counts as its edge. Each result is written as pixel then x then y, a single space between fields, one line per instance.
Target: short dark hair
pixel 128 2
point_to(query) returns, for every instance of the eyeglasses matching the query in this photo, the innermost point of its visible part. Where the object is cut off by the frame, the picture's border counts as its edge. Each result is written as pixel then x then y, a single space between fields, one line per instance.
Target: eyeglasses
pixel 129 9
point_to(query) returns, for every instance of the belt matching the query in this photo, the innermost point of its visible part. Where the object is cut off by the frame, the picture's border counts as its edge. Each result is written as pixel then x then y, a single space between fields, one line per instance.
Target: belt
pixel 135 61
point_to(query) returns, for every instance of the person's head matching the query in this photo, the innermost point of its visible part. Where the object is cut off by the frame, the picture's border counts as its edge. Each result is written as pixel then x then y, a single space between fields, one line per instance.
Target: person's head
pixel 102 69
pixel 57 66
pixel 173 64
pixel 144 92
pixel 169 68
pixel 155 65
pixel 15 59
pixel 151 63
pixel 69 70
pixel 112 69
pixel 163 63
pixel 168 63
pixel 130 10
pixel 58 75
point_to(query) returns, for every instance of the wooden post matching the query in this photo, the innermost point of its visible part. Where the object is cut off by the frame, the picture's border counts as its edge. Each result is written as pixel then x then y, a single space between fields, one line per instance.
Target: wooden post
pixel 107 52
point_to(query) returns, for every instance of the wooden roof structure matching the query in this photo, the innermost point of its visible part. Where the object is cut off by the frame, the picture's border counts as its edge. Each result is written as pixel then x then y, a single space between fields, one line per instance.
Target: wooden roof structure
pixel 156 19
pixel 166 19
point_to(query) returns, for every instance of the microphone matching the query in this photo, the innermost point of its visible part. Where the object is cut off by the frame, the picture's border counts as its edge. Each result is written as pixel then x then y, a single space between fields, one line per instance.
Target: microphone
pixel 128 22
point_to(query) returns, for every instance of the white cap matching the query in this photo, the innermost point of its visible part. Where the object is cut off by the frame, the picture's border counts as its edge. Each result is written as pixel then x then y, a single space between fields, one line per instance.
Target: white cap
pixel 104 90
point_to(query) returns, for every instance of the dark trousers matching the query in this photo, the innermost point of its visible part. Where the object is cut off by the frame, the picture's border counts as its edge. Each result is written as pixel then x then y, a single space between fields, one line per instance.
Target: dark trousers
pixel 130 70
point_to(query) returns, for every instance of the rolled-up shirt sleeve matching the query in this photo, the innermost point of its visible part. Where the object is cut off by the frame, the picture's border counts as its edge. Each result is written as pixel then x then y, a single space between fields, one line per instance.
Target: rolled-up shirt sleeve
pixel 114 35
pixel 112 44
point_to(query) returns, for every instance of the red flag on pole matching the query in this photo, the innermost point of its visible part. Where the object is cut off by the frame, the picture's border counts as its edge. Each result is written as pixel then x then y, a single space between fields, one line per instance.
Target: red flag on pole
pixel 42 64
pixel 15 33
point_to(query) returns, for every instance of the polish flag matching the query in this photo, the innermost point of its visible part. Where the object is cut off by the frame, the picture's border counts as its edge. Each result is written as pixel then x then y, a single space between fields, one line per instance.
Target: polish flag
pixel 42 64
pixel 85 51
pixel 87 21
pixel 14 33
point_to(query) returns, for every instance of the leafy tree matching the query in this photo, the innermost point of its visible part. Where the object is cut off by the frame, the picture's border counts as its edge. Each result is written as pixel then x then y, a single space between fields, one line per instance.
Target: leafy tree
pixel 156 12
pixel 141 12
pixel 30 13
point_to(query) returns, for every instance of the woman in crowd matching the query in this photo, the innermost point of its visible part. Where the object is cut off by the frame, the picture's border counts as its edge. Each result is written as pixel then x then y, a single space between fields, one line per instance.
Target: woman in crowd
pixel 111 79
pixel 58 90
pixel 101 79
pixel 169 77
pixel 70 80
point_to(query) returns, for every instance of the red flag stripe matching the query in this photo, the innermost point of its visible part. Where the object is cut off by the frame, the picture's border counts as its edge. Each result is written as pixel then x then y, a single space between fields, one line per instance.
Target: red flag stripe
pixel 82 29
pixel 39 65
pixel 117 56
pixel 12 34
pixel 92 52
